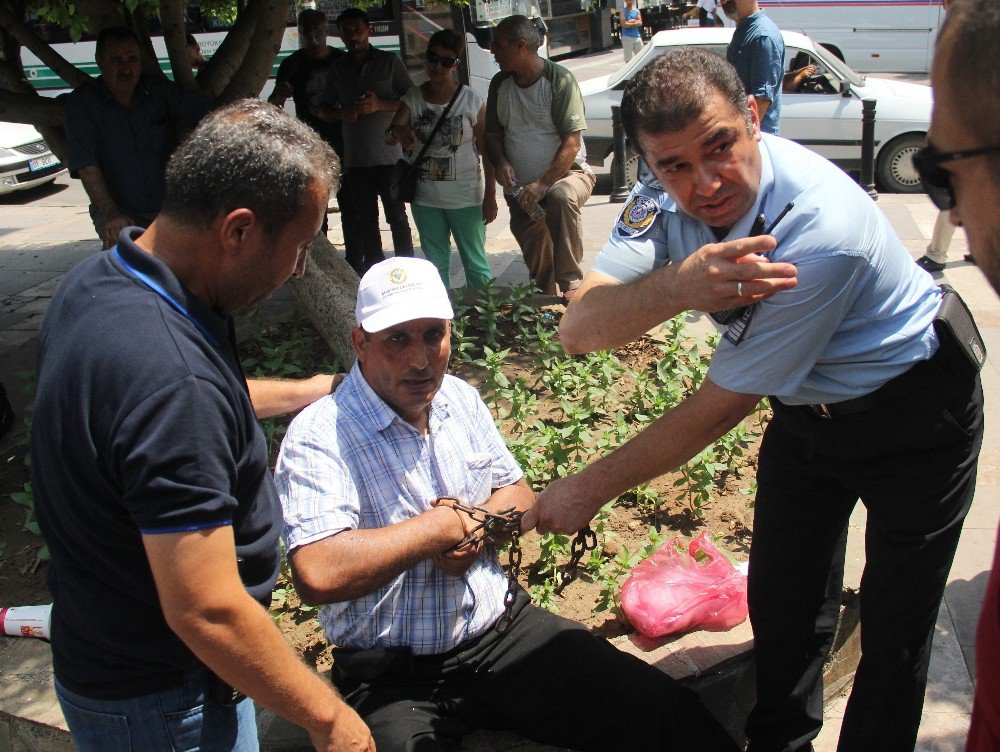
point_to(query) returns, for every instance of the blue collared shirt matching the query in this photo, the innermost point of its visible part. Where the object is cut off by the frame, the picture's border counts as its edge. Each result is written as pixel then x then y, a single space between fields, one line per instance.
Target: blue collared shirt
pixel 757 51
pixel 349 462
pixel 861 313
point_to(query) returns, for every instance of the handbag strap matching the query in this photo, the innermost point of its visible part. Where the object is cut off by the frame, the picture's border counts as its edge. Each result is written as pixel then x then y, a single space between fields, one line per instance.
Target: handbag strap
pixel 437 125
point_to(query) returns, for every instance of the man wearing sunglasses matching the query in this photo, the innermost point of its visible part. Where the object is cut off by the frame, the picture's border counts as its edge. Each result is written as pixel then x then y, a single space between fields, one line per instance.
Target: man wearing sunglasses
pixel 960 170
pixel 868 401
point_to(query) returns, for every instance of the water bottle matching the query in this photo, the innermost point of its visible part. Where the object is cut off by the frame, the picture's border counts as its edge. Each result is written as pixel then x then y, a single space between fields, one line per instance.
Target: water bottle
pixel 538 212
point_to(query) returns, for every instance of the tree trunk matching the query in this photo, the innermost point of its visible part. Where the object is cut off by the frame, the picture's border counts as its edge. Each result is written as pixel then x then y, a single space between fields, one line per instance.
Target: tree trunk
pixel 172 21
pixel 264 47
pixel 222 66
pixel 327 292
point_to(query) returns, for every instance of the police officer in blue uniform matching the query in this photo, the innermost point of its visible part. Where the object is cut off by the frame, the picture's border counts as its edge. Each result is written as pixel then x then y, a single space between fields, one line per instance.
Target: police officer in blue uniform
pixel 869 401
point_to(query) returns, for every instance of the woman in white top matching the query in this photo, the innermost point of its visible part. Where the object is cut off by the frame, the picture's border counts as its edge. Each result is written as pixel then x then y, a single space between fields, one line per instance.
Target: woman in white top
pixel 456 193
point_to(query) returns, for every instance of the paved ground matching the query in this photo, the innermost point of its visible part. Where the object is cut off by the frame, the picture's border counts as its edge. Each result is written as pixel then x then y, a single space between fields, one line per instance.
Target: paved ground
pixel 45 232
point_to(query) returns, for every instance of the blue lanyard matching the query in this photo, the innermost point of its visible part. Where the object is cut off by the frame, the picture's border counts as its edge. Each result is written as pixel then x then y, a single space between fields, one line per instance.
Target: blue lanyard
pixel 158 289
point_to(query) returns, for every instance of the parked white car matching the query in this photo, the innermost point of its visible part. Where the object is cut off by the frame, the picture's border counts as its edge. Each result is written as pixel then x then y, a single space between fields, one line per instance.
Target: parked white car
pixel 25 159
pixel 824 116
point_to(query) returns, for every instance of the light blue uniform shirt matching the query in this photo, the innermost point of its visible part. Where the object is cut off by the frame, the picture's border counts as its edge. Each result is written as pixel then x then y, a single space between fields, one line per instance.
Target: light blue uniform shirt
pixel 757 51
pixel 349 462
pixel 861 313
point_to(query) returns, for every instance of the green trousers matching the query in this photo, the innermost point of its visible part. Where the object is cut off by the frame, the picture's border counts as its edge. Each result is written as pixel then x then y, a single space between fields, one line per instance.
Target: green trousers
pixel 436 228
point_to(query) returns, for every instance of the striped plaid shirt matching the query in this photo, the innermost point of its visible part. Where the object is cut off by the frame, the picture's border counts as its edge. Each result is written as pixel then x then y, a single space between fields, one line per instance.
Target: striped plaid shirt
pixel 349 462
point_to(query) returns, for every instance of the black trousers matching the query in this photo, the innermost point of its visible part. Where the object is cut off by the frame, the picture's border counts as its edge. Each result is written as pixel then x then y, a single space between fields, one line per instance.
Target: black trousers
pixel 547 678
pixel 912 462
pixel 367 185
pixel 349 224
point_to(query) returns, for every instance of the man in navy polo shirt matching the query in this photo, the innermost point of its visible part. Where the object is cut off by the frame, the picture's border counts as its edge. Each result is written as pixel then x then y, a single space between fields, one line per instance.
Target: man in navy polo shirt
pixel 150 468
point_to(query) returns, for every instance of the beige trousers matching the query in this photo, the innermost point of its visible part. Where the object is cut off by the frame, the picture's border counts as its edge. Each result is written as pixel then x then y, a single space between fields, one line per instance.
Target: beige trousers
pixel 553 248
pixel 941 238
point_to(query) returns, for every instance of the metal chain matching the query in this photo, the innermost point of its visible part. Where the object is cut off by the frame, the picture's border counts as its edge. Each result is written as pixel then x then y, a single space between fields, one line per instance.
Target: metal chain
pixel 505 526
pixel 585 540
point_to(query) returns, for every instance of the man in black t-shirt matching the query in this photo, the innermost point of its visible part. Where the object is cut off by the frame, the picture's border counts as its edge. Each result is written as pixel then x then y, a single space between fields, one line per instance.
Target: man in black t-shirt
pixel 302 76
pixel 150 468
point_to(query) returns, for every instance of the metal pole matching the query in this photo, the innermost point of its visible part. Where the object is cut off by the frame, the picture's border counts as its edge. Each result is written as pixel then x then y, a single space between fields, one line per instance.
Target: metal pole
pixel 868 147
pixel 619 191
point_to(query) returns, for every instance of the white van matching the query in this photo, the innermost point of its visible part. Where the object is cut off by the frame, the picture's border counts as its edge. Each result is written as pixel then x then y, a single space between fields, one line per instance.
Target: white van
pixel 869 35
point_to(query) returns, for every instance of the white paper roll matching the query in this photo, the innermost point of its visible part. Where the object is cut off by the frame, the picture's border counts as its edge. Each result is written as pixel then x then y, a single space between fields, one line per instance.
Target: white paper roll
pixel 26 621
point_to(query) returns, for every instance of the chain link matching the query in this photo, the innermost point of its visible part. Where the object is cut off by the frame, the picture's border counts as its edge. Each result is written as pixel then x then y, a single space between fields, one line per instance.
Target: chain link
pixel 505 527
pixel 585 540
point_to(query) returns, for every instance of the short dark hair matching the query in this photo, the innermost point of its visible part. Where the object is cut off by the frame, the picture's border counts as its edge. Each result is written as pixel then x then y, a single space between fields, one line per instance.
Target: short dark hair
pixel 973 29
pixel 113 34
pixel 352 13
pixel 669 93
pixel 250 155
pixel 310 16
pixel 448 39
pixel 518 27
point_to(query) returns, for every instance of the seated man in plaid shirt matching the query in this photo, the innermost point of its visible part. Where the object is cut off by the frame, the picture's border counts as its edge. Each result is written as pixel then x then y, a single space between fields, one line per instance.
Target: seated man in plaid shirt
pixel 360 474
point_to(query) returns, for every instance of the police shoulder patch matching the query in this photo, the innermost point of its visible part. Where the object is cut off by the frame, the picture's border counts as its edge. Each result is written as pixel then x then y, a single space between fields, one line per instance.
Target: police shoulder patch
pixel 637 216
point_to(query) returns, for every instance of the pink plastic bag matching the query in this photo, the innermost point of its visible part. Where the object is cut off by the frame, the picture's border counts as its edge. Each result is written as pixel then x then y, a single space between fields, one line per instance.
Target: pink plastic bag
pixel 671 592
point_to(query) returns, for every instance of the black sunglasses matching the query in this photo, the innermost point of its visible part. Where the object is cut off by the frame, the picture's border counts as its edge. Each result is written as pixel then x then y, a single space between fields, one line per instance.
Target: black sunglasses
pixel 935 179
pixel 442 60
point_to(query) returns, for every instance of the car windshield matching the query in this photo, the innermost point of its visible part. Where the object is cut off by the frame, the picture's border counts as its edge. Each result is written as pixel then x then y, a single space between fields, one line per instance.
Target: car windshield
pixel 837 65
pixel 618 79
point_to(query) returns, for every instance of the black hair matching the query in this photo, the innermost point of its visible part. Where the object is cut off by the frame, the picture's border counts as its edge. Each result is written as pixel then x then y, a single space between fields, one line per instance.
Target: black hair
pixel 449 39
pixel 113 34
pixel 250 155
pixel 670 93
pixel 352 13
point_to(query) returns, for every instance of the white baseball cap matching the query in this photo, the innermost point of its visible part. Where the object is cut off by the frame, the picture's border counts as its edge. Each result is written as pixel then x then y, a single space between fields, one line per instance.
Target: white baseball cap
pixel 398 290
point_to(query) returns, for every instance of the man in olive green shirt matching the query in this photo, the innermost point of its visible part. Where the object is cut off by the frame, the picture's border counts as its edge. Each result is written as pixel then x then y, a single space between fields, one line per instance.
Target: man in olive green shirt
pixel 535 111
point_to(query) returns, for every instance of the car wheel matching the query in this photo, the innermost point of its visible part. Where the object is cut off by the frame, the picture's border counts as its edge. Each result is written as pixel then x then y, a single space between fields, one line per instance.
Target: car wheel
pixel 631 169
pixel 894 168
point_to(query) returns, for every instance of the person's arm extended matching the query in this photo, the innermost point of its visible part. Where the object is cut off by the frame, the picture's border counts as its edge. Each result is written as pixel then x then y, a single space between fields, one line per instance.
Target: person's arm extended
pixel 569 503
pixel 353 563
pixel 272 397
pixel 792 80
pixel 606 314
pixel 205 604
pixel 565 155
pixel 100 196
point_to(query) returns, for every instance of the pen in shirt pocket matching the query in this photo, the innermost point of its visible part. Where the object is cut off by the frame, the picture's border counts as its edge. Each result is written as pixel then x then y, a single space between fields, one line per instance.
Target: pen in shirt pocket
pixel 757 228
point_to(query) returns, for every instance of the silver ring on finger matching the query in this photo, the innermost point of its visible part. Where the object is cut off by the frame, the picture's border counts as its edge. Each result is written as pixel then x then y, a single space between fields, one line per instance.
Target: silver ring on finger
pixel 739 289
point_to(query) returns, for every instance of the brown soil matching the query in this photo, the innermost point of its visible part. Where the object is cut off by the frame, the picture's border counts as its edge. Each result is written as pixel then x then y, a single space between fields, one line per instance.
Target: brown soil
pixel 22 574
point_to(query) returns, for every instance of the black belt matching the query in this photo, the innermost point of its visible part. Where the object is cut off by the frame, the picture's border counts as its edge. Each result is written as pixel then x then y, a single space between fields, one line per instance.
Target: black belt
pixel 924 372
